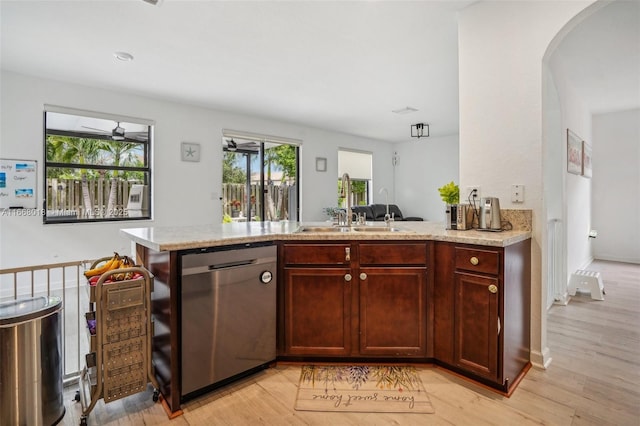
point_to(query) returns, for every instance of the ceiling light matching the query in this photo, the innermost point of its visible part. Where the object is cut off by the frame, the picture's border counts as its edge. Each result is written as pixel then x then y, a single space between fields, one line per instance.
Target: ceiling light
pixel 123 56
pixel 117 134
pixel 418 130
pixel 405 110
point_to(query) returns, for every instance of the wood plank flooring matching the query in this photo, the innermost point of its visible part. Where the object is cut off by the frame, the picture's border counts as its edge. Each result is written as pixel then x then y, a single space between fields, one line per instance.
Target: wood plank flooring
pixel 594 379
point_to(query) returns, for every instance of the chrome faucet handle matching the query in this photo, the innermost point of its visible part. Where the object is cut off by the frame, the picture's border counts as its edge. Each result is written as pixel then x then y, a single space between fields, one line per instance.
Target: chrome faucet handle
pixel 362 219
pixel 388 218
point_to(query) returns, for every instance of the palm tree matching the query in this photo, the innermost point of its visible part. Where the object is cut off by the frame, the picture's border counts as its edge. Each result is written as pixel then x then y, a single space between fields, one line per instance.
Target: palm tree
pixel 283 156
pixel 118 151
pixel 72 150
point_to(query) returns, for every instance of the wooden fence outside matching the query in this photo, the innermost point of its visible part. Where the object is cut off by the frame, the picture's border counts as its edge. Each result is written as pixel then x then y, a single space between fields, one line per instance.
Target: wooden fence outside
pixel 234 201
pixel 67 195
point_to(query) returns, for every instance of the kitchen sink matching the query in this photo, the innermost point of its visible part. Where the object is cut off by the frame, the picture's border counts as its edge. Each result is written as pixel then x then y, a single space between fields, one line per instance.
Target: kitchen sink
pixel 375 229
pixel 323 229
pixel 334 229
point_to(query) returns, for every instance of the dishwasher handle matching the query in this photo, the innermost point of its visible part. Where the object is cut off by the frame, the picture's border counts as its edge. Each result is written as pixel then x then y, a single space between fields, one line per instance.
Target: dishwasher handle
pixel 232 264
pixel 226 265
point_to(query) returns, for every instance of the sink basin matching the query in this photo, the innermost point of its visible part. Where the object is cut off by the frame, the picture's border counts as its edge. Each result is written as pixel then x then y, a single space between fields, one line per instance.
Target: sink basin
pixel 336 229
pixel 376 229
pixel 323 229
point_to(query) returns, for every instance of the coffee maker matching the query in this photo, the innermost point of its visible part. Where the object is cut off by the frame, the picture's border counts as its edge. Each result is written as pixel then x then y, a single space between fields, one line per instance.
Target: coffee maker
pixel 490 219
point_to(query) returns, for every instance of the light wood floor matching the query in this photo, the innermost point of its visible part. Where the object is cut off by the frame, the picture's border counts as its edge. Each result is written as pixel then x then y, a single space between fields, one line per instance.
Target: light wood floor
pixel 594 379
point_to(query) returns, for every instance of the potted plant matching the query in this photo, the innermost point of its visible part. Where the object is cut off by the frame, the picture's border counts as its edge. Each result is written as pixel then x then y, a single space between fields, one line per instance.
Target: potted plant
pixel 253 205
pixel 332 213
pixel 450 193
pixel 235 208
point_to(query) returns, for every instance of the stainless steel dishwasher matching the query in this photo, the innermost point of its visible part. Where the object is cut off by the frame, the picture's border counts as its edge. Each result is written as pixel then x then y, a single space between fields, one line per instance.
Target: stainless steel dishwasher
pixel 228 314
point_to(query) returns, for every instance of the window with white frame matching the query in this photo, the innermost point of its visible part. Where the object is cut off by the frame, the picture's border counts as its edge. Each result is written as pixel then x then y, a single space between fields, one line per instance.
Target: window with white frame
pixel 359 167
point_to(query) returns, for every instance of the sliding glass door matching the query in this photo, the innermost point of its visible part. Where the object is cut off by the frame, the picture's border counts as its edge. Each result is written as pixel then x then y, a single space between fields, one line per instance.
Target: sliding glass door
pixel 259 181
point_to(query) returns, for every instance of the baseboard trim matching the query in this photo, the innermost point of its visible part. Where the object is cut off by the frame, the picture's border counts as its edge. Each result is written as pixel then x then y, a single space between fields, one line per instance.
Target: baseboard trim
pixel 635 261
pixel 541 360
pixel 564 300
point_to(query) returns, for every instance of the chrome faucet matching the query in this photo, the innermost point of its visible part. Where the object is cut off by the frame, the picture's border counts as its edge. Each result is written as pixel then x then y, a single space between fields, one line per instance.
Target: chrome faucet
pixel 345 192
pixel 387 217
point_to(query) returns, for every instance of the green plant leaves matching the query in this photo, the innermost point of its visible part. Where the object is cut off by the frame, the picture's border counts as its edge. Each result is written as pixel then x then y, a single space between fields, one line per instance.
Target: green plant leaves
pixel 450 193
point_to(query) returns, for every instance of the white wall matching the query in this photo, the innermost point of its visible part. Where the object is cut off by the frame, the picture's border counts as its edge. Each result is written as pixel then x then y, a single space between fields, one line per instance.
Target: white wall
pixel 184 193
pixel 501 49
pixel 616 186
pixel 577 189
pixel 423 166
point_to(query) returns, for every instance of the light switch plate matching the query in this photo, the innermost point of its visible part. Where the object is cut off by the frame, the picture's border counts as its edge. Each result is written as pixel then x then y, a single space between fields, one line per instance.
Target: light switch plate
pixel 517 193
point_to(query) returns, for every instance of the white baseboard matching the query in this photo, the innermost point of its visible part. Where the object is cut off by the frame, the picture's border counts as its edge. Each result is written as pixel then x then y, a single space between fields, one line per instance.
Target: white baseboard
pixel 541 360
pixel 617 259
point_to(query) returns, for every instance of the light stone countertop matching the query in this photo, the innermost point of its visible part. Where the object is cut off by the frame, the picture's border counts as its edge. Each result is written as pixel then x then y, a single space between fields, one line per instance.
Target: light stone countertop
pixel 168 238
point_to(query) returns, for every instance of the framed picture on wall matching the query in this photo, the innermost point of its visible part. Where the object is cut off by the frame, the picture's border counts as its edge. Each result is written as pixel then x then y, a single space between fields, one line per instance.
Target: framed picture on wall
pixel 574 153
pixel 586 160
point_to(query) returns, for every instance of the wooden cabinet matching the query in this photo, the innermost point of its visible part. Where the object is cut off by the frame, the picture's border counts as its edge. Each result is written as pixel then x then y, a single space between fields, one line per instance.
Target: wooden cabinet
pixel 378 300
pixel 165 310
pixel 354 299
pixel 481 311
pixel 317 299
pixel 393 299
pixel 476 325
pixel 318 313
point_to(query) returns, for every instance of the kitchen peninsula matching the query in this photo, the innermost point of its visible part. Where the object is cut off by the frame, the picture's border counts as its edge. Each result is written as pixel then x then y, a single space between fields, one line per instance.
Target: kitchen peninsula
pixel 414 293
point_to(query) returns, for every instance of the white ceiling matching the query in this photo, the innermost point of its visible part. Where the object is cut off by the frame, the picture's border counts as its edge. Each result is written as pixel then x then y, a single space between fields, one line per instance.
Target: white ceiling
pixel 335 65
pixel 602 56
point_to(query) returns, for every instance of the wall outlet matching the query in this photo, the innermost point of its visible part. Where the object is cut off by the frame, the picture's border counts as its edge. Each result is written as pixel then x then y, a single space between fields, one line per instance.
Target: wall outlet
pixel 472 194
pixel 517 193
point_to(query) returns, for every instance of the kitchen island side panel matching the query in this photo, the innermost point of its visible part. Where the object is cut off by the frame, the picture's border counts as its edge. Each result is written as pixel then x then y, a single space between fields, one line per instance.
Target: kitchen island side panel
pixel 443 302
pixel 165 310
pixel 517 309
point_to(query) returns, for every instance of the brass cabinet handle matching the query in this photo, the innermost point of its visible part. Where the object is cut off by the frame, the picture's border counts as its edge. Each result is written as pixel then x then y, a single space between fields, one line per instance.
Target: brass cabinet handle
pixel 492 289
pixel 347 277
pixel 347 254
pixel 474 261
pixel 363 276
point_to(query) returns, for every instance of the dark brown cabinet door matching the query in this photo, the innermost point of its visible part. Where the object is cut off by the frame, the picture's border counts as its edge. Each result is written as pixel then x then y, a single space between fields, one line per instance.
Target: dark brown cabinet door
pixel 317 309
pixel 476 324
pixel 393 311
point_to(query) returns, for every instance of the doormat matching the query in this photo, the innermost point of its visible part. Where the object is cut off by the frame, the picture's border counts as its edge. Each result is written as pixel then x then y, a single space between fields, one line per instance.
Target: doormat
pixel 363 389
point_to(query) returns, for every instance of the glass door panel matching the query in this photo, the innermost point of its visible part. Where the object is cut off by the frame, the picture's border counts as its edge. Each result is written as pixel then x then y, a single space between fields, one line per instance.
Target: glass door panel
pixel 259 181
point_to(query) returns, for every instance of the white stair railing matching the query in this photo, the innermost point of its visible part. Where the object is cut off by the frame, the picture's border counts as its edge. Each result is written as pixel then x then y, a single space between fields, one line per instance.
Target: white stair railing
pixel 65 280
pixel 556 284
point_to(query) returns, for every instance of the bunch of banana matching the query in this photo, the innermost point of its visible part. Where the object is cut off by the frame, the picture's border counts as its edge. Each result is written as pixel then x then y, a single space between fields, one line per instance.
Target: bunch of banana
pixel 125 262
pixel 113 263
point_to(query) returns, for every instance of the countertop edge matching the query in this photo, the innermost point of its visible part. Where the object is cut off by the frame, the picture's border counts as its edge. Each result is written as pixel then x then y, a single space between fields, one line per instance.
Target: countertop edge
pixel 490 239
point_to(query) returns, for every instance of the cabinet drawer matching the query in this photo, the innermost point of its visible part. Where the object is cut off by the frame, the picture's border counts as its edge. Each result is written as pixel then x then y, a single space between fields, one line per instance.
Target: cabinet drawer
pixel 475 260
pixel 393 254
pixel 317 254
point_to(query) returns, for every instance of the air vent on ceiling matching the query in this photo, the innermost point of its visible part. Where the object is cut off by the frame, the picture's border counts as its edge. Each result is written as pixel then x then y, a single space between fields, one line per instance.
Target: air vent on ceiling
pixel 405 110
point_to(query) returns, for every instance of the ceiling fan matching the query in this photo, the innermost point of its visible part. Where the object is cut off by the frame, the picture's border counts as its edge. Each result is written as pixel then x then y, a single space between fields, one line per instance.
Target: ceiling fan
pixel 118 133
pixel 234 146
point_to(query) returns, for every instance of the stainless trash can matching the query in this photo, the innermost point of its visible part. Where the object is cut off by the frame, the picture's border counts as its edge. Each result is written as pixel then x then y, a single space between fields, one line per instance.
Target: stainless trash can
pixel 31 390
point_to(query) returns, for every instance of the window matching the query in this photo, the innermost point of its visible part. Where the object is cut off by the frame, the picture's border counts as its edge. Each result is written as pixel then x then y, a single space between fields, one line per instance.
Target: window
pixel 358 165
pixel 259 177
pixel 96 167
